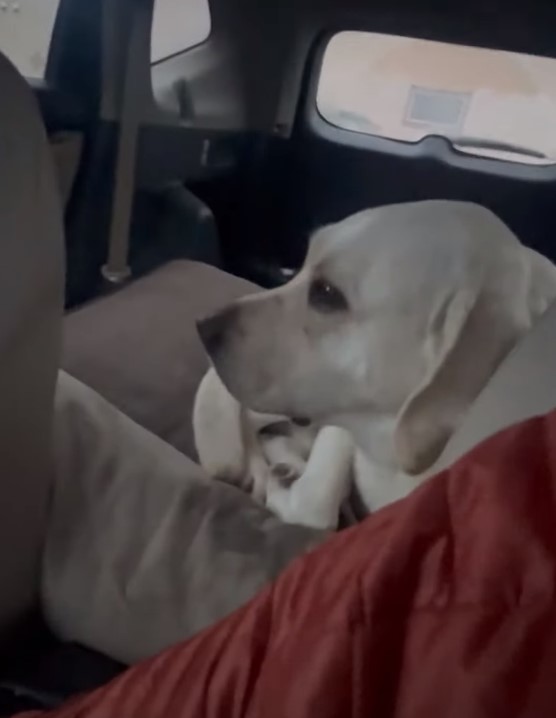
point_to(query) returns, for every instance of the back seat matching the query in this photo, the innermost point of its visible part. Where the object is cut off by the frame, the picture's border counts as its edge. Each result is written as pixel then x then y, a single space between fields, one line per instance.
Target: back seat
pixel 35 669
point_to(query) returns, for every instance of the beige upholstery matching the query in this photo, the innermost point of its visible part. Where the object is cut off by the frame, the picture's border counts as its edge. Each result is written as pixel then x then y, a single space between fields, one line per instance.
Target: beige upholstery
pixel 31 281
pixel 139 347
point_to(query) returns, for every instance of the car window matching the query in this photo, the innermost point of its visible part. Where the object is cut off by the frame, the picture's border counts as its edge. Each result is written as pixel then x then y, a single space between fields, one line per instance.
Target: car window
pixel 178 25
pixel 25 33
pixel 487 102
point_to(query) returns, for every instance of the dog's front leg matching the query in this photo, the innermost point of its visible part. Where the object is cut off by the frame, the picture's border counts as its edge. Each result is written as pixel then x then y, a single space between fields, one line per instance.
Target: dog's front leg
pixel 315 498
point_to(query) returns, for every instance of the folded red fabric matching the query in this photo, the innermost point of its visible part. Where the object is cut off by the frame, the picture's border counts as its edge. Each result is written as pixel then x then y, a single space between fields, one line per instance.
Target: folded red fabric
pixel 440 606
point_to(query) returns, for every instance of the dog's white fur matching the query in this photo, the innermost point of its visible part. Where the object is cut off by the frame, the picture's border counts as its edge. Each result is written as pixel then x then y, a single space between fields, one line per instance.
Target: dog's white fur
pixel 437 294
pixel 232 444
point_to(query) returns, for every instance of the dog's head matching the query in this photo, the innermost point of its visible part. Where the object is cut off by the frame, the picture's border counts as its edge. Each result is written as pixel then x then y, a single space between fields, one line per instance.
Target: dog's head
pixel 395 323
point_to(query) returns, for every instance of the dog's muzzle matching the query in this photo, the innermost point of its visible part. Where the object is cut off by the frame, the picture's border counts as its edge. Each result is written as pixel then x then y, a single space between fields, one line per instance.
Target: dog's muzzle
pixel 214 329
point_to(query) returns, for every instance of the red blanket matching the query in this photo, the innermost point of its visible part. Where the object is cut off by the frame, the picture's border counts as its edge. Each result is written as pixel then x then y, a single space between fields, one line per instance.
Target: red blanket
pixel 440 606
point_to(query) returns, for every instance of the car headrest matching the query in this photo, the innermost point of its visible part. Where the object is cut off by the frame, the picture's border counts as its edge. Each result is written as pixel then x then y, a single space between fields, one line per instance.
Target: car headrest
pixel 31 287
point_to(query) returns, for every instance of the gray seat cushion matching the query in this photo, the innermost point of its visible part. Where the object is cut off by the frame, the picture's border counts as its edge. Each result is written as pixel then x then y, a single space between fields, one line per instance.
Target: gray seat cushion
pixel 139 347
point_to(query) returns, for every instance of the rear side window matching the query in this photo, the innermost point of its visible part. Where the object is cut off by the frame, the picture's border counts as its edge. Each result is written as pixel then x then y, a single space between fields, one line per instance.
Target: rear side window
pixel 486 102
pixel 25 33
pixel 178 25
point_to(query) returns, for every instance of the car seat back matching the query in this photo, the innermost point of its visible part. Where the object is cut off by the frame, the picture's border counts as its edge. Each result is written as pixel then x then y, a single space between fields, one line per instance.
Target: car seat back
pixel 31 287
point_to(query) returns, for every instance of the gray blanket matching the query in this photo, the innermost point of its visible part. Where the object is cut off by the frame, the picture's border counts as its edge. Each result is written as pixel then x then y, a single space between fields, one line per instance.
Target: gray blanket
pixel 142 549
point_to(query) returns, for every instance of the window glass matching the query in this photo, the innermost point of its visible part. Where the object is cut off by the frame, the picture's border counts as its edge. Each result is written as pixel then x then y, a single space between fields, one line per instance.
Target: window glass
pixel 487 102
pixel 25 32
pixel 177 26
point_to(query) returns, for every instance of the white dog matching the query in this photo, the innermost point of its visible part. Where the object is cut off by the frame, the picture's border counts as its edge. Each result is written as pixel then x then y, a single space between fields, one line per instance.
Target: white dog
pixel 396 322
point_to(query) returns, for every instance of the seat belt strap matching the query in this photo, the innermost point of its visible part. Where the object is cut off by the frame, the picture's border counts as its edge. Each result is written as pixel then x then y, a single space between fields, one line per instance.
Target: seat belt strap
pixel 117 269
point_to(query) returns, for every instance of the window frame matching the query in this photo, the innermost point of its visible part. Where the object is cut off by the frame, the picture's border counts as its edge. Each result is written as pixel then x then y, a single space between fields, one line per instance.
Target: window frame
pixel 431 146
pixel 42 79
pixel 171 56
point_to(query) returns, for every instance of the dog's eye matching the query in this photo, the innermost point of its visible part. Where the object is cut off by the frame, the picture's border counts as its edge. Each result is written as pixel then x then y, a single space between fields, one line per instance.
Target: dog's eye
pixel 325 297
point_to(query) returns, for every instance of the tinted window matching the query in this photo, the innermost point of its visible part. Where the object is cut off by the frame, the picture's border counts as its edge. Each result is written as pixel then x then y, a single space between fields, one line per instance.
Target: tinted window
pixel 177 26
pixel 487 102
pixel 25 33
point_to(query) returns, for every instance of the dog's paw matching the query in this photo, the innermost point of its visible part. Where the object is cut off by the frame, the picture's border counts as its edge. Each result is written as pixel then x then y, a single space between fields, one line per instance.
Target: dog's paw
pixel 281 478
pixel 278 497
pixel 240 481
pixel 285 474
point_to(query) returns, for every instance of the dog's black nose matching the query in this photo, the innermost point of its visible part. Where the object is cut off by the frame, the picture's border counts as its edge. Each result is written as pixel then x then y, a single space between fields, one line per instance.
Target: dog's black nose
pixel 213 329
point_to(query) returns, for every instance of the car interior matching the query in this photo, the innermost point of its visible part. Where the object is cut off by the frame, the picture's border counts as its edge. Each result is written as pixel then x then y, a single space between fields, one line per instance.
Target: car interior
pixel 197 144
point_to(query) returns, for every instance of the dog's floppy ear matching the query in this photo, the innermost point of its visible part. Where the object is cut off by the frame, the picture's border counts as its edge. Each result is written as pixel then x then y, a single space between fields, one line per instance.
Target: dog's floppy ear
pixel 319 241
pixel 431 413
pixel 219 431
pixel 468 335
